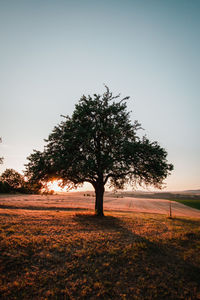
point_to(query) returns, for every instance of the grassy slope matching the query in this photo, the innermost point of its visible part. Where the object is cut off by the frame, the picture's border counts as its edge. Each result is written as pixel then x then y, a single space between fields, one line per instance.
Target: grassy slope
pixel 189 202
pixel 189 199
pixel 75 255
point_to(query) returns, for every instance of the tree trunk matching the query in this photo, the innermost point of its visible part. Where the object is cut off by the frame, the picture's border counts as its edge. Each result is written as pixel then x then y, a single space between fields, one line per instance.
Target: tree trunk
pixel 99 191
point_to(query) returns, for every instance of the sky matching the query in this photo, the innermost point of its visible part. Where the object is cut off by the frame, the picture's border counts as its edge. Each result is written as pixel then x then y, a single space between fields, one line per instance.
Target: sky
pixel 53 52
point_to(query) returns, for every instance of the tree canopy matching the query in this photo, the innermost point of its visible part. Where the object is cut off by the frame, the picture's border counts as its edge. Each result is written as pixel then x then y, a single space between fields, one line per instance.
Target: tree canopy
pixel 99 144
pixel 14 179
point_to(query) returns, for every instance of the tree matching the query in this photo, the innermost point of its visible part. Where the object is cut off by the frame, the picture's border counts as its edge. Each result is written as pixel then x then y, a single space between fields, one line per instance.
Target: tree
pixel 5 188
pixel 12 178
pixel 12 181
pixel 1 158
pixel 98 144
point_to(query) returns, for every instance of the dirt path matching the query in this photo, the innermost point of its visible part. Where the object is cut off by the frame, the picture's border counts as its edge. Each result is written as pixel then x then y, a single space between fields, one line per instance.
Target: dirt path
pixel 78 200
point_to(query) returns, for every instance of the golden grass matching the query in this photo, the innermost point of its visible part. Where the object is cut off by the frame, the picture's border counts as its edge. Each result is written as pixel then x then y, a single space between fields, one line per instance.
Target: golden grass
pixel 75 255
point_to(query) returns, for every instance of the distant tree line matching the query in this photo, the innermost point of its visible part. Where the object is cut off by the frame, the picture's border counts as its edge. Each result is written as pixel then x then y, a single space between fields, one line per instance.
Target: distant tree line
pixel 13 182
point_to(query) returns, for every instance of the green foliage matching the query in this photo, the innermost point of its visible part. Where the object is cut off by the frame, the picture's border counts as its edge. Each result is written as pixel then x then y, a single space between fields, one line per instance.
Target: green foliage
pixel 5 187
pixel 99 145
pixel 194 203
pixel 14 179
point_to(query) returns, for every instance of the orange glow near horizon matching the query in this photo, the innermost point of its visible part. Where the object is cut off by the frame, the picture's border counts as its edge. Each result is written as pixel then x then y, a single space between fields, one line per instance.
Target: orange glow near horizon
pixel 54 185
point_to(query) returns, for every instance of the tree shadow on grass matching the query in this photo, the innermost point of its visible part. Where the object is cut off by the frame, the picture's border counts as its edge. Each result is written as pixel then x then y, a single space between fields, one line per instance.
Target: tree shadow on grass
pixel 161 264
pixel 113 261
pixel 51 208
pixel 106 223
pixel 118 233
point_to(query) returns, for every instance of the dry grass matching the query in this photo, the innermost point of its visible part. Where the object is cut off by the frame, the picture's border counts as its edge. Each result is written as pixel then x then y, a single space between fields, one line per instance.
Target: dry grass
pixel 75 255
pixel 79 201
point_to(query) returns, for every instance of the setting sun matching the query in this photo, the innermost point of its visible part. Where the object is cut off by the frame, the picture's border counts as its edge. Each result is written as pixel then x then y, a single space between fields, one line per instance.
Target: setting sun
pixel 54 185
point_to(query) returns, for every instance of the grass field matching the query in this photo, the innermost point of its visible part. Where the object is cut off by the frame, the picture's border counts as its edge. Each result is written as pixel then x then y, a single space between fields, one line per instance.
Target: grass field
pixel 75 255
pixel 189 202
pixel 190 199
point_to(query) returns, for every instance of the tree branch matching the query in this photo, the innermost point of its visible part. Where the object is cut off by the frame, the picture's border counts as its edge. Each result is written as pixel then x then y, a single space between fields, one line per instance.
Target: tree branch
pixel 117 176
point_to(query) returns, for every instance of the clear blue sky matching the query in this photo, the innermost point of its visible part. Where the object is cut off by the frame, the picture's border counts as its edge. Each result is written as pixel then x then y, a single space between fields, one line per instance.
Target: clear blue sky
pixel 52 52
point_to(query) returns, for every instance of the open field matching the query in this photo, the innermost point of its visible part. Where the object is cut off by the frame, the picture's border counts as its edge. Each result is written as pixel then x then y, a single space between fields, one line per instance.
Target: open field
pixel 78 200
pixel 189 202
pixel 55 250
pixel 190 198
